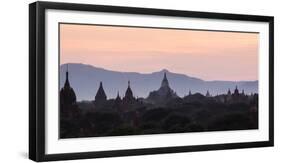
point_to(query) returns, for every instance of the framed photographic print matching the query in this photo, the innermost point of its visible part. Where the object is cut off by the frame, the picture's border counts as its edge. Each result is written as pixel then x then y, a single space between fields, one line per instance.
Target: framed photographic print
pixel 117 81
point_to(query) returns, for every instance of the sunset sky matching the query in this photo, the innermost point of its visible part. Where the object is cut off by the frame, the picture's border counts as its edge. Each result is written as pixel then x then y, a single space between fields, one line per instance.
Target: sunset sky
pixel 207 55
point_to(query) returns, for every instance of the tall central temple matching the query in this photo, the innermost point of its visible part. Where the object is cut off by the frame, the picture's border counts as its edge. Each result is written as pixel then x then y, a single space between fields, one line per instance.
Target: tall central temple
pixel 165 89
pixel 163 94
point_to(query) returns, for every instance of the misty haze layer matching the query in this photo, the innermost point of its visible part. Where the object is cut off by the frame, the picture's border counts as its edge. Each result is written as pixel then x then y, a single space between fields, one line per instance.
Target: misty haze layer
pixel 85 79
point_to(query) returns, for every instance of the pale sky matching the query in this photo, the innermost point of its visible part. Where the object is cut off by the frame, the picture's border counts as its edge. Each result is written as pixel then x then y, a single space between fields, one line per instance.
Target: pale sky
pixel 207 55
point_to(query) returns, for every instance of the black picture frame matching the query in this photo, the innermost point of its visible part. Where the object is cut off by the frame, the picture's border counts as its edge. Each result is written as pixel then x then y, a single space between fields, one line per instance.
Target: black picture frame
pixel 37 78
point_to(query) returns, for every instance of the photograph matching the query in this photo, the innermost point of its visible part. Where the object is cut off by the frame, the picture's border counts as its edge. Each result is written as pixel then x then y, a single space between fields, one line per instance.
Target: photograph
pixel 112 81
pixel 119 80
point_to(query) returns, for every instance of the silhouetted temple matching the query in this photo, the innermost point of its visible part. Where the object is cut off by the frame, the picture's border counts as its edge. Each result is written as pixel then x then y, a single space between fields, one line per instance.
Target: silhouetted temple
pixel 118 98
pixel 163 93
pixel 100 96
pixel 163 111
pixel 165 82
pixel 243 93
pixel 189 93
pixel 129 97
pixel 234 97
pixel 67 94
pixel 236 91
pixel 208 94
pixel 228 92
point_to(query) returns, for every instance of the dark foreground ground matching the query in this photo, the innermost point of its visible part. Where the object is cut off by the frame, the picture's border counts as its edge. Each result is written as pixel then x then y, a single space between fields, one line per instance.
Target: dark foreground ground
pixel 199 114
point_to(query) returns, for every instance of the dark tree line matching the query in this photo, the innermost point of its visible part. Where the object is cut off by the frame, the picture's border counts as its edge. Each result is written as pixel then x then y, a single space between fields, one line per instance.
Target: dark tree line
pixel 194 114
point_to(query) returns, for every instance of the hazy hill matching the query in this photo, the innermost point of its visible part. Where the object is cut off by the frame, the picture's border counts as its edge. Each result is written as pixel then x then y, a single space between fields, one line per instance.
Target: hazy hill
pixel 85 81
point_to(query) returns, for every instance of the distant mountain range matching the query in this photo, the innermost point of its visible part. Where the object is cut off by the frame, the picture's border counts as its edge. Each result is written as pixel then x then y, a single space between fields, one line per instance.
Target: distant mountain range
pixel 84 79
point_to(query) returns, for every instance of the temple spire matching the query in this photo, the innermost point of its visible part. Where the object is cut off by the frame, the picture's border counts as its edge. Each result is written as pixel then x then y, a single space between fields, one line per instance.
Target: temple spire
pixel 165 82
pixel 208 94
pixel 189 93
pixel 67 94
pixel 100 96
pixel 228 92
pixel 129 93
pixel 236 91
pixel 66 84
pixel 118 98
